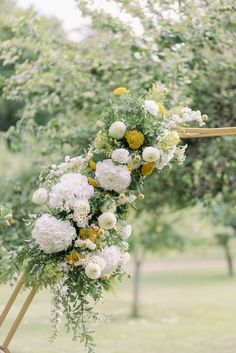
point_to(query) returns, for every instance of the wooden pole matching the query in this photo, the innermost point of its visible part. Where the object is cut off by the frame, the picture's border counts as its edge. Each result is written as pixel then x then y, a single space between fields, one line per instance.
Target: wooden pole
pixel 18 320
pixel 204 132
pixel 11 300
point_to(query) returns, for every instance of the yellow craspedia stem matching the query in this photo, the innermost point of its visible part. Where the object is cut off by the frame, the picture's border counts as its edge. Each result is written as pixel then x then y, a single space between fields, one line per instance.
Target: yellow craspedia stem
pixel 148 168
pixel 93 182
pixel 135 139
pixel 92 164
pixel 120 90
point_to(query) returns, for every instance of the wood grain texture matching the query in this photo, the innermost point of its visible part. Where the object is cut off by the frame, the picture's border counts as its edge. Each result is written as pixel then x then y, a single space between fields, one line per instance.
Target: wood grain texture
pixel 207 132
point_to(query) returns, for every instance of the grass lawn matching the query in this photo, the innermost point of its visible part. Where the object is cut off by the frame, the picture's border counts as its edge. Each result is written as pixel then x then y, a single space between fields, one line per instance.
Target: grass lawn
pixel 183 311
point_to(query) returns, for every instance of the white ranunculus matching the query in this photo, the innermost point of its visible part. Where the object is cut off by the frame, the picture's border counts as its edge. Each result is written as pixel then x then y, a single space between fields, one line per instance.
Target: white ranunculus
pixel 127 231
pixel 111 255
pixel 53 235
pixel 93 270
pixel 151 107
pixel 71 188
pixel 40 196
pixel 113 177
pixel 120 155
pixel 151 154
pixel 107 220
pixel 117 130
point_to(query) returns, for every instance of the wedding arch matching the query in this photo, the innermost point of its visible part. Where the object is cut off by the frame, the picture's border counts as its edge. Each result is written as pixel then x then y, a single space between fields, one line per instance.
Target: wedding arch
pixel 79 240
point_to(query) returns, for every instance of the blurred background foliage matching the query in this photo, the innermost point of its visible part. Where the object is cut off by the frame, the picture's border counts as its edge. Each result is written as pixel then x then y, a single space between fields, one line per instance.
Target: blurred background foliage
pixel 53 91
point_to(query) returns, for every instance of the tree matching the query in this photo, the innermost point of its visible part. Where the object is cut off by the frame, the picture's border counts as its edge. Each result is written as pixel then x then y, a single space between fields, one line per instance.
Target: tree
pixel 153 232
pixel 224 214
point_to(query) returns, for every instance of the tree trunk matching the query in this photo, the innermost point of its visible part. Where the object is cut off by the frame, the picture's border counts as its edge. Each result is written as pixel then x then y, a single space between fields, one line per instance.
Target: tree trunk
pixel 229 259
pixel 136 289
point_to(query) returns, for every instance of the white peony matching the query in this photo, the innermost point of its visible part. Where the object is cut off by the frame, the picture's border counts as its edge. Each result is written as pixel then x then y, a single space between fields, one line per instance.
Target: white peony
pixel 53 235
pixel 71 188
pixel 151 154
pixel 117 130
pixel 151 107
pixel 111 255
pixel 120 155
pixel 127 231
pixel 40 196
pixel 107 220
pixel 113 177
pixel 93 270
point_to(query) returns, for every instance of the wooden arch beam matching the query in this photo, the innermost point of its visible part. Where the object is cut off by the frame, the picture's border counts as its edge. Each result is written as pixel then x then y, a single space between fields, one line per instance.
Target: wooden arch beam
pixel 207 132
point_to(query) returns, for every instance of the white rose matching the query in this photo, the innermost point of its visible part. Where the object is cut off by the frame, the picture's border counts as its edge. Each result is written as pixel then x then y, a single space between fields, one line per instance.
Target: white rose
pixel 53 235
pixel 117 130
pixel 127 231
pixel 93 270
pixel 40 196
pixel 151 154
pixel 120 155
pixel 107 220
pixel 151 107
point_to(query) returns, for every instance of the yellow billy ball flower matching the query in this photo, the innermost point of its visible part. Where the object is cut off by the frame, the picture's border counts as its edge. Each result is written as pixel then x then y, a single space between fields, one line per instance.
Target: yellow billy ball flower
pixel 120 90
pixel 134 138
pixel 148 168
pixel 93 182
pixel 141 197
pixel 101 232
pixel 137 159
pixel 122 197
pixel 92 164
pixel 106 276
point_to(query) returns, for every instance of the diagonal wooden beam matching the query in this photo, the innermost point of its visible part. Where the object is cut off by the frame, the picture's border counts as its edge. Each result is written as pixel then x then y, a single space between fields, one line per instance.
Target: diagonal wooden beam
pixel 207 132
pixel 11 300
pixel 17 321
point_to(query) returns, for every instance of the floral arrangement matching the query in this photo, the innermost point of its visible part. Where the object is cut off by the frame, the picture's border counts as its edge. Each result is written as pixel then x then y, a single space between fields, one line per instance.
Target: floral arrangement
pixel 79 244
